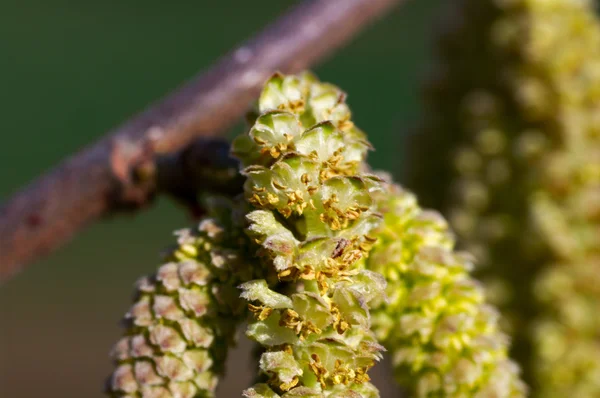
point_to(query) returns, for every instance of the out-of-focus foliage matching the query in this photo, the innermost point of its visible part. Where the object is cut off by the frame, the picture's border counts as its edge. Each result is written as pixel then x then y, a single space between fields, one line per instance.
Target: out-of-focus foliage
pixel 443 338
pixel 510 151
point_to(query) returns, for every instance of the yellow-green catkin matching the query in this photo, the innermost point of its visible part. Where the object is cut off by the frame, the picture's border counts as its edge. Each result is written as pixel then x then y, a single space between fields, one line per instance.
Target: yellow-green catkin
pixel 510 151
pixel 312 219
pixel 185 315
pixel 443 338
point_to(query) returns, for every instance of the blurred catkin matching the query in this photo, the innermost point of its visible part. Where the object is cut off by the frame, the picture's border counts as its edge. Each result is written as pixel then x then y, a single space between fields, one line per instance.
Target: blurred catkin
pixel 313 215
pixel 510 151
pixel 185 315
pixel 443 338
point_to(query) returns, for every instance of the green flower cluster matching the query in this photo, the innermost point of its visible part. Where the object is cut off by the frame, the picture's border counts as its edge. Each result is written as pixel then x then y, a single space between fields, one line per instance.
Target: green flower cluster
pixel 565 209
pixel 316 245
pixel 443 337
pixel 186 314
pixel 313 216
pixel 516 102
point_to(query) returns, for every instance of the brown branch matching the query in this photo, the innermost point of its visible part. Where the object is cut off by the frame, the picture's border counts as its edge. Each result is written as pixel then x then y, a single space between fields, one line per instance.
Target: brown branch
pixel 96 181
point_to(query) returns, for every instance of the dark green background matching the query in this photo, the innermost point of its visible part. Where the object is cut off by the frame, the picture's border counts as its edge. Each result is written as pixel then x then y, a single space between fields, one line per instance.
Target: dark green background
pixel 71 70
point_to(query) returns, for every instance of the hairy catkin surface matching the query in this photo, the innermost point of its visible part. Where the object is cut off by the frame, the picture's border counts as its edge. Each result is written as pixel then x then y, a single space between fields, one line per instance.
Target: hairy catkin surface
pixel 512 148
pixel 443 338
pixel 312 216
pixel 185 315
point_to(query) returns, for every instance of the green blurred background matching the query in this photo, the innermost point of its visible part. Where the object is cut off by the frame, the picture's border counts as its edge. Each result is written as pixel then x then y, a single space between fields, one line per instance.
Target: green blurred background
pixel 70 71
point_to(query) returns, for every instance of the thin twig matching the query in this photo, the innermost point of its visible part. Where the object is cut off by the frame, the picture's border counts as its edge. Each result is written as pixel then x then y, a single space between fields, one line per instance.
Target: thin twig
pixel 96 182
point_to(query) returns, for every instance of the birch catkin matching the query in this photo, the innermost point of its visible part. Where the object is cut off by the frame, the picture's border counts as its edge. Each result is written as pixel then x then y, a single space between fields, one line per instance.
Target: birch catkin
pixel 443 338
pixel 313 215
pixel 516 103
pixel 186 314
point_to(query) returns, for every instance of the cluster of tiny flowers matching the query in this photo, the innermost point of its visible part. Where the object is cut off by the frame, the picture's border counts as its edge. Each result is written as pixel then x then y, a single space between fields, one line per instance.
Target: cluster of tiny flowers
pixel 325 259
pixel 516 100
pixel 186 314
pixel 443 338
pixel 565 210
pixel 312 219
